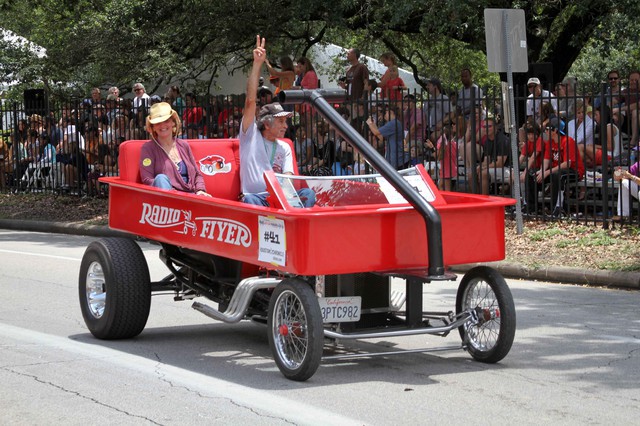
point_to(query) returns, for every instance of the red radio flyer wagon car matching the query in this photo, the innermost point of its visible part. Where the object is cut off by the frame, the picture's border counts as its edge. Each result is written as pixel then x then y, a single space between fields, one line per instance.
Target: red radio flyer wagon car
pixel 309 274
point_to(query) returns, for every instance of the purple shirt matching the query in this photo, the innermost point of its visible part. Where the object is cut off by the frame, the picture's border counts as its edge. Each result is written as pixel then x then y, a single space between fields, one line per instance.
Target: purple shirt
pixel 154 161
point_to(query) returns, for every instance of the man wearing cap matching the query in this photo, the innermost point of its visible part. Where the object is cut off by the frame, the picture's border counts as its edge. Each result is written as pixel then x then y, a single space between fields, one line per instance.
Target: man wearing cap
pixel 260 147
pixel 537 96
pixel 561 163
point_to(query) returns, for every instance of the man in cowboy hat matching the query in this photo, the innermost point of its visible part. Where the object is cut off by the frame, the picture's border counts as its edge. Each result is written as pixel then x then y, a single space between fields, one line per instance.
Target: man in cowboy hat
pixel 260 146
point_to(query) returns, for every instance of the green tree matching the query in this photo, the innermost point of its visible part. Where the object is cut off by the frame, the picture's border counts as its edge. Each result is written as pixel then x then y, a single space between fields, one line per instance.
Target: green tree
pixel 105 42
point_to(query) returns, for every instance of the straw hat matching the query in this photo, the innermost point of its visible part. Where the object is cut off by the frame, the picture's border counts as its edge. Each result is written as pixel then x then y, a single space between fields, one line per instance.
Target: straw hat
pixel 160 112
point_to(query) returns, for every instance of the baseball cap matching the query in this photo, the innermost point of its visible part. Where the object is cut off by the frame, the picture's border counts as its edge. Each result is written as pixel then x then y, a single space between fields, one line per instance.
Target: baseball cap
pixel 274 109
pixel 556 123
pixel 533 80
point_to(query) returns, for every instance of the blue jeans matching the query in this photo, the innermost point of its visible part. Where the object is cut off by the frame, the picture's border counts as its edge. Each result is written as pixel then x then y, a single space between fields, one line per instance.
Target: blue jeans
pixel 307 196
pixel 162 181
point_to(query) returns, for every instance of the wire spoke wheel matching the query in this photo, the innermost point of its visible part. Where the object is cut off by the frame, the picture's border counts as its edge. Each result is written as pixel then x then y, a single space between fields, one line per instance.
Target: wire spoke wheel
pixel 295 329
pixel 489 333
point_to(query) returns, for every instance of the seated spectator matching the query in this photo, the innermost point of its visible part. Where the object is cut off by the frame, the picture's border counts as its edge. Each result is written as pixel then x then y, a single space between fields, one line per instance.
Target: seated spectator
pixel 537 96
pixel 174 98
pixel 6 163
pixel 611 141
pixel 496 160
pixel 73 168
pixel 304 147
pixel 581 130
pixel 627 113
pixel 474 138
pixel 562 163
pixel 629 187
pixel 546 113
pixel 166 161
pixel 566 104
pixel 193 118
pixel 344 158
pixel 324 152
pixel 531 151
pixel 612 95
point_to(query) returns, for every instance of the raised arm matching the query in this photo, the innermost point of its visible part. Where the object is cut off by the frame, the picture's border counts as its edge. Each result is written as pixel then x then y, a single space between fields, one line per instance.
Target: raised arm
pixel 259 56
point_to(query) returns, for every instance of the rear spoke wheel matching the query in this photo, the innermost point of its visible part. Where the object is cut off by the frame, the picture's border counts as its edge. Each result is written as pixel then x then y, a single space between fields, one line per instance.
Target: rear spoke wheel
pixel 295 329
pixel 490 331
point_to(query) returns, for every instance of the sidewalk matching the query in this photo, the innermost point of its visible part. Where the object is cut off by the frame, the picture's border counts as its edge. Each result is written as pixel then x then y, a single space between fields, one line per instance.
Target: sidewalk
pixel 614 279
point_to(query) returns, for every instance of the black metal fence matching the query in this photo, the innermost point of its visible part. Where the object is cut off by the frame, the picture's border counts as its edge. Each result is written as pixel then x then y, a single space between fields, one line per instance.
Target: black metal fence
pixel 459 136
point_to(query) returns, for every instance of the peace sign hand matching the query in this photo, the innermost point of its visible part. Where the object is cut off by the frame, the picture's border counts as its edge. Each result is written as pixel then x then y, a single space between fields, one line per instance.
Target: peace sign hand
pixel 259 53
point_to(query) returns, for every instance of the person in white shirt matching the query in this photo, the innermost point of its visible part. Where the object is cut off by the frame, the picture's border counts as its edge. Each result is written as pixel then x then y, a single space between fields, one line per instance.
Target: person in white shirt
pixel 537 96
pixel 142 99
pixel 260 146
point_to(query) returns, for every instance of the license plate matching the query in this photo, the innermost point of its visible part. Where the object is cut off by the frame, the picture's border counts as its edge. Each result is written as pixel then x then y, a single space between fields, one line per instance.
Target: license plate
pixel 340 309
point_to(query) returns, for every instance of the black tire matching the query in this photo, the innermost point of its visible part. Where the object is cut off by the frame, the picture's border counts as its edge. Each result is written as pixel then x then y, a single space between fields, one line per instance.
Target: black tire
pixel 115 288
pixel 296 334
pixel 484 290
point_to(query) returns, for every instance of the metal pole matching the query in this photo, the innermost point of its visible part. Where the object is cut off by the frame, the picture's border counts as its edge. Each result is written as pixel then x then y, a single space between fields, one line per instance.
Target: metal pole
pixel 515 169
pixel 318 99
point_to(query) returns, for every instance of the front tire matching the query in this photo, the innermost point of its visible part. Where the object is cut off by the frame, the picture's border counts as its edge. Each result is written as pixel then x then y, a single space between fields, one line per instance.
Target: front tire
pixel 484 291
pixel 114 288
pixel 296 334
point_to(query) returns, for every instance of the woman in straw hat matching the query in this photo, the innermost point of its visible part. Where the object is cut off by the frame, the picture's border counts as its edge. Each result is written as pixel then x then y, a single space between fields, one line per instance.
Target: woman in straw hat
pixel 166 161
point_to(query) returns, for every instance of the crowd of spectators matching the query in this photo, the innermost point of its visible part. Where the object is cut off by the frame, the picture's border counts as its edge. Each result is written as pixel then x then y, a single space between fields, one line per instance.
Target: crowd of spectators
pixel 459 135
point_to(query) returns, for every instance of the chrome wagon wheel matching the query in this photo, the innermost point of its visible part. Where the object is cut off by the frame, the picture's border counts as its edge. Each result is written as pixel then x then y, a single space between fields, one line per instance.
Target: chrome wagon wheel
pixel 96 292
pixel 114 288
pixel 295 329
pixel 489 333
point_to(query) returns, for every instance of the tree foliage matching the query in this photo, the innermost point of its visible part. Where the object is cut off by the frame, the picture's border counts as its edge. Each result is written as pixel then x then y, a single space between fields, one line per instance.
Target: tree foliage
pixel 100 43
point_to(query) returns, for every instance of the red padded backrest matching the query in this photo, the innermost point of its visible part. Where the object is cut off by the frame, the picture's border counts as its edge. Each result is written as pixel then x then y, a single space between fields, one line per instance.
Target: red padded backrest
pixel 218 160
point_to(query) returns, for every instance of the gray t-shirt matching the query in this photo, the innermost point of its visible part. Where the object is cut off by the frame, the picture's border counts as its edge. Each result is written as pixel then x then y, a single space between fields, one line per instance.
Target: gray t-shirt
pixel 436 108
pixel 258 155
pixel 464 98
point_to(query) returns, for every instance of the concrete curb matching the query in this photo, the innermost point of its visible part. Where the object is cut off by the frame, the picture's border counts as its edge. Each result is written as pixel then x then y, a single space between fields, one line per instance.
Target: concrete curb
pixel 591 277
pixel 617 279
pixel 63 228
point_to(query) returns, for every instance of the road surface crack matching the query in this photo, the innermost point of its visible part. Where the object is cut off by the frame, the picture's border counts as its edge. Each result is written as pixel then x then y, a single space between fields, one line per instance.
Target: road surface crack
pixel 78 394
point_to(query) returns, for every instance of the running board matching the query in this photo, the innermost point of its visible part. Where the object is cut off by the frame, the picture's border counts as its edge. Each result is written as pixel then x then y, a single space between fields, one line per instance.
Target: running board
pixel 239 301
pixel 464 317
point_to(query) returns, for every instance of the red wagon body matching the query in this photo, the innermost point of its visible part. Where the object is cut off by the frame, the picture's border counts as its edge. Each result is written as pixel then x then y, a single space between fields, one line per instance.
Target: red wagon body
pixel 309 273
pixel 356 230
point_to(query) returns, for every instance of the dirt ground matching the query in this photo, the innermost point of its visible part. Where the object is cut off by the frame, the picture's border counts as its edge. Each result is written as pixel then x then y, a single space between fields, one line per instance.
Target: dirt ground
pixel 588 246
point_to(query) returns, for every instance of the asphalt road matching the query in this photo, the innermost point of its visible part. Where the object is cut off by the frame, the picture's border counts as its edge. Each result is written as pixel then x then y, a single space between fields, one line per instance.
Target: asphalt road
pixel 575 360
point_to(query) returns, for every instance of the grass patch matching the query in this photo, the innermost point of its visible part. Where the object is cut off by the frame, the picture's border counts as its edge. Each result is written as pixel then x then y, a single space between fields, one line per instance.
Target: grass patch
pixel 545 234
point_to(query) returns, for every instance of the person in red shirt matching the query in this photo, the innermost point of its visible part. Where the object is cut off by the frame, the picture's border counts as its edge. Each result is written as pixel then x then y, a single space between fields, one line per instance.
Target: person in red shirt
pixel 531 149
pixel 562 163
pixel 308 77
pixel 193 117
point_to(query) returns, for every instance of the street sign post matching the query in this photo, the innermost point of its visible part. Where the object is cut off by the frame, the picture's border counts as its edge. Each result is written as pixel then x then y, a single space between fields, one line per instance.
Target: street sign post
pixel 506 38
